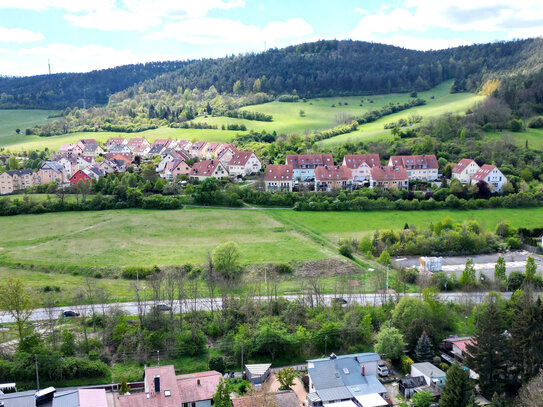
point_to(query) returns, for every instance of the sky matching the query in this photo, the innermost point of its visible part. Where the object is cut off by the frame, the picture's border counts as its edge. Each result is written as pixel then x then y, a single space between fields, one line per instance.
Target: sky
pixel 82 35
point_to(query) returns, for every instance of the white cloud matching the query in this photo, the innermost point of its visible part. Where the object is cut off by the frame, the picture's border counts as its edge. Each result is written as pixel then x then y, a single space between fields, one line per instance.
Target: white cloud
pixel 72 6
pixel 221 30
pixel 19 35
pixel 69 58
pixel 110 20
pixel 360 10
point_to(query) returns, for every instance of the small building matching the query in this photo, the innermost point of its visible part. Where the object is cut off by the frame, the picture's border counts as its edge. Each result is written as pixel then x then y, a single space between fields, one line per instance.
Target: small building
pixel 464 170
pixel 197 149
pixel 118 149
pixel 304 164
pixel 208 168
pixel 244 163
pixel 432 374
pixel 329 178
pixel 279 178
pixel 409 384
pixel 116 140
pixel 92 150
pixel 431 264
pixel 175 168
pixel 418 167
pixel 139 146
pixel 226 152
pixel 491 175
pixel 67 149
pixel 360 165
pixel 84 161
pixel 80 175
pixel 456 346
pixel 257 374
pixel 389 177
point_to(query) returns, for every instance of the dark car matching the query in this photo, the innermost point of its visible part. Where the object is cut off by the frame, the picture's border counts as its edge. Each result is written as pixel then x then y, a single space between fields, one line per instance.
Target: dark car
pixel 70 313
pixel 339 301
pixel 163 307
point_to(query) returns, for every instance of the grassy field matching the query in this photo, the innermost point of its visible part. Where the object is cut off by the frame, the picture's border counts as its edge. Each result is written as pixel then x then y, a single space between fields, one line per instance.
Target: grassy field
pixel 534 137
pixel 19 119
pixel 320 115
pixel 35 142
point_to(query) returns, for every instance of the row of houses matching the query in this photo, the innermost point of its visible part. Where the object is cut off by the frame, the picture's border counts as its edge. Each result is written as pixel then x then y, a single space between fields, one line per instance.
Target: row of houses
pixel 467 171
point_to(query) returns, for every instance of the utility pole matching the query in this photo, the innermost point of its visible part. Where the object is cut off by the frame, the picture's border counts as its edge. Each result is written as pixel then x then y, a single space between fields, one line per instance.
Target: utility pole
pixel 242 357
pixel 49 65
pixel 386 292
pixel 158 357
pixel 37 373
pixel 325 345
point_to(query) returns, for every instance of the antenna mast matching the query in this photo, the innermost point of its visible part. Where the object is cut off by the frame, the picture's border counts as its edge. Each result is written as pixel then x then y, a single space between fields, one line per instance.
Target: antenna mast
pixel 49 65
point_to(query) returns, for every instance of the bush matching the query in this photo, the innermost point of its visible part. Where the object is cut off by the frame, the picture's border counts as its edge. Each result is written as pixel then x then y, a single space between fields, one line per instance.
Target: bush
pixel 346 250
pixel 515 280
pixel 406 363
pixel 132 273
pixel 283 268
pixel 217 363
pixel 514 243
pixel 536 123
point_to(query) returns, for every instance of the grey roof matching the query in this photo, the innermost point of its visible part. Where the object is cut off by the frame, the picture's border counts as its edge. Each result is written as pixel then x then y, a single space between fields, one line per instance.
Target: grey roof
pixel 66 399
pixel 362 357
pixel 157 149
pixel 21 399
pixel 20 172
pixel 370 385
pixel 314 397
pixel 335 393
pixel 429 370
pixel 54 165
pixel 344 370
pixel 412 382
pixel 286 399
pixel 258 369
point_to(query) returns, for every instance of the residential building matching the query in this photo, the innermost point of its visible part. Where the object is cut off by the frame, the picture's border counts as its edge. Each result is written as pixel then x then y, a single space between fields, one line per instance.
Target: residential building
pixel 183 145
pixel 171 155
pixel 360 165
pixel 243 163
pixel 53 171
pixel 226 153
pixel 85 142
pixel 127 158
pixel 163 388
pixel 139 146
pixel 80 175
pixel 408 386
pixel 419 167
pixel 119 149
pixel 208 168
pixel 92 149
pixel 69 163
pixel 457 347
pixel 279 177
pixel 212 150
pixel 84 161
pixel 175 168
pixel 49 397
pixel 112 166
pixel 329 178
pixel 389 177
pixel 15 180
pixel 67 149
pixel 276 399
pixel 464 170
pixel 348 379
pixel 115 141
pixel 432 374
pixel 491 175
pixel 197 149
pixel 157 149
pixel 304 164
pixel 258 373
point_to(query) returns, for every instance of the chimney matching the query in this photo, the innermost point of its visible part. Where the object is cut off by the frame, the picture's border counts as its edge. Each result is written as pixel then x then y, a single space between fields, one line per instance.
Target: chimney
pixel 157 384
pixel 363 370
pixel 198 382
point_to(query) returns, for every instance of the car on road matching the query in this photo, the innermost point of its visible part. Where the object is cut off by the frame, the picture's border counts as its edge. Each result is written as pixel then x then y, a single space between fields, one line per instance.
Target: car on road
pixel 163 307
pixel 338 301
pixel 70 313
pixel 382 369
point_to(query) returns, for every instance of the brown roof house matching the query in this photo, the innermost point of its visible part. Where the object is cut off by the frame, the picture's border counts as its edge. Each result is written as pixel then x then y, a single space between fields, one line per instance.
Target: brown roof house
pixel 244 163
pixel 419 167
pixel 329 178
pixel 279 177
pixel 175 168
pixel 389 177
pixel 162 388
pixel 360 165
pixel 139 146
pixel 491 175
pixel 464 170
pixel 208 168
pixel 304 164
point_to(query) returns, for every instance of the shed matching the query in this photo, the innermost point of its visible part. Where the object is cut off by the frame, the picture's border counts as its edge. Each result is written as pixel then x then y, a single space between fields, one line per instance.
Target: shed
pixel 257 374
pixel 431 373
pixel 408 385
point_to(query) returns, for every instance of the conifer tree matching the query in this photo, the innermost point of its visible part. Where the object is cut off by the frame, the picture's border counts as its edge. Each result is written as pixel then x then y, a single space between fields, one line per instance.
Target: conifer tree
pixel 486 355
pixel 458 390
pixel 423 350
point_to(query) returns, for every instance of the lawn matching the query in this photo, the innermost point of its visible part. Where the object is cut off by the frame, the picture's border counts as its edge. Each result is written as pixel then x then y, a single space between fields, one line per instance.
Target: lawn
pixel 19 119
pixel 35 142
pixel 534 137
pixel 338 225
pixel 138 237
pixel 320 115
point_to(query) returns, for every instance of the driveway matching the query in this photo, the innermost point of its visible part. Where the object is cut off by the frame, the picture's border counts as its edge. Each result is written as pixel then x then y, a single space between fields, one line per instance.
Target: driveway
pixel 272 385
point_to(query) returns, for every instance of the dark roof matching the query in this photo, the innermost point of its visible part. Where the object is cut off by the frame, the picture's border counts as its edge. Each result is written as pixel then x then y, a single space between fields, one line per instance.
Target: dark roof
pixel 20 172
pixel 410 382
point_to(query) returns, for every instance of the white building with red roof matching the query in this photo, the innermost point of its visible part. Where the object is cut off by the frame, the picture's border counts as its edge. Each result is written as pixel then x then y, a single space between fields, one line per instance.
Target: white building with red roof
pixel 175 168
pixel 244 163
pixel 162 388
pixel 418 167
pixel 208 168
pixel 360 165
pixel 279 177
pixel 388 177
pixel 139 146
pixel 491 175
pixel 304 164
pixel 464 170
pixel 226 152
pixel 116 140
pixel 329 178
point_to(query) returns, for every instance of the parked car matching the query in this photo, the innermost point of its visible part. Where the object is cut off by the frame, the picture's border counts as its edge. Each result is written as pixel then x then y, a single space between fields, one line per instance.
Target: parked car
pixel 70 313
pixel 382 369
pixel 163 307
pixel 339 301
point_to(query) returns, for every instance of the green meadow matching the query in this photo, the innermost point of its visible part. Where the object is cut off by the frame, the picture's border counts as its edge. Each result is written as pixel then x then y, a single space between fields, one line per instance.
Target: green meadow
pixel 10 120
pixel 534 137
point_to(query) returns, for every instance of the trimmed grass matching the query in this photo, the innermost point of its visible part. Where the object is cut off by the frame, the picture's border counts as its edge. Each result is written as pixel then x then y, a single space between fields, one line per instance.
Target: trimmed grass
pixel 320 115
pixel 19 119
pixel 54 142
pixel 339 225
pixel 533 136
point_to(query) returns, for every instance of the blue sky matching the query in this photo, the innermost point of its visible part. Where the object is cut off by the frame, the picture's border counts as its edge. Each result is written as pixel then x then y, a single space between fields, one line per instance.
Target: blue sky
pixel 79 35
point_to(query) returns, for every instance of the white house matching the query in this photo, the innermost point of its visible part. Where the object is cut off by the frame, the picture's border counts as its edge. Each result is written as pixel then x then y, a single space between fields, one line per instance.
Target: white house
pixel 244 163
pixel 491 175
pixel 419 167
pixel 464 170
pixel 360 165
pixel 304 164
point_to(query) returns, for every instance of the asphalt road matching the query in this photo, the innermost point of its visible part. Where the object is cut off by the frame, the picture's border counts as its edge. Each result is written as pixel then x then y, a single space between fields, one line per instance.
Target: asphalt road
pixel 204 304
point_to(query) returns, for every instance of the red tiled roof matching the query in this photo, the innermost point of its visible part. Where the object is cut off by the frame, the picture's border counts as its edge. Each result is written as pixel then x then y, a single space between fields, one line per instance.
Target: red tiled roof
pixel 278 172
pixel 325 172
pixel 313 160
pixel 240 158
pixel 88 141
pixel 354 161
pixel 115 140
pixel 198 386
pixel 462 164
pixel 206 167
pixel 161 141
pixel 415 161
pixel 483 172
pixel 388 173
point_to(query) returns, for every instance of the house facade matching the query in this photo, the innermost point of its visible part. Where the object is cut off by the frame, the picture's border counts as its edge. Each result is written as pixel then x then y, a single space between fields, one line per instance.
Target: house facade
pixel 360 165
pixel 139 146
pixel 279 177
pixel 432 374
pixel 80 175
pixel 304 164
pixel 464 170
pixel 491 175
pixel 208 168
pixel 389 177
pixel 244 163
pixel 329 178
pixel 53 171
pixel 418 167
pixel 176 168
pixel 15 180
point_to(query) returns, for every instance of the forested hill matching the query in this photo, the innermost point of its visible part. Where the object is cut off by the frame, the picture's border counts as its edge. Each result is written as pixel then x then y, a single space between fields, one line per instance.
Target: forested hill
pixel 313 69
pixel 69 89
